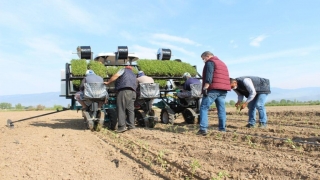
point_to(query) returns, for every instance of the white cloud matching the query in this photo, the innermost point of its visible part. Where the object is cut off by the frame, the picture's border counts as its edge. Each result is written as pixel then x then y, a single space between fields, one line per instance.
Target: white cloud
pixel 257 40
pixel 172 47
pixel 47 49
pixel 79 16
pixel 166 37
pixel 272 55
pixel 144 52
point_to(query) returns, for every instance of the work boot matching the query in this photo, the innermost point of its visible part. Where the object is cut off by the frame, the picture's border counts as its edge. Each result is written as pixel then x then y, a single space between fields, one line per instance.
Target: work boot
pixel 202 132
pixel 250 126
pixel 121 129
pixel 262 125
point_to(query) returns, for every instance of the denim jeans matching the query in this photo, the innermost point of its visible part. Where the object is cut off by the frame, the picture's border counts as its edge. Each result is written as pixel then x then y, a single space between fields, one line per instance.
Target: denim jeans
pixel 217 96
pixel 258 103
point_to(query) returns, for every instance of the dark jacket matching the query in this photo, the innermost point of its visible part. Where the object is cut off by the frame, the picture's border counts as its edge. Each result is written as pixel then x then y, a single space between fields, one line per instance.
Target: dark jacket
pixel 261 85
pixel 127 80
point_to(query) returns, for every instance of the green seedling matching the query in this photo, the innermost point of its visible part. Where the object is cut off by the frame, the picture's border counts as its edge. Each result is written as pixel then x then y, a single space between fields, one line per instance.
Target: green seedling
pixel 219 136
pixel 194 165
pixel 221 175
pixel 238 108
pixel 175 129
pixel 160 159
pixel 235 136
pixel 248 138
pixel 290 143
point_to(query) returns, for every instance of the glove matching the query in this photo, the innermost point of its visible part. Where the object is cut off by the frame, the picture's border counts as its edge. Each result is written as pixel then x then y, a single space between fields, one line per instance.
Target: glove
pixel 205 91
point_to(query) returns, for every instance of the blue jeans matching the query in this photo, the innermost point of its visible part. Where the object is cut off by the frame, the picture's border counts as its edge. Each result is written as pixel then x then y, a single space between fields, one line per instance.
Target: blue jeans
pixel 258 103
pixel 217 96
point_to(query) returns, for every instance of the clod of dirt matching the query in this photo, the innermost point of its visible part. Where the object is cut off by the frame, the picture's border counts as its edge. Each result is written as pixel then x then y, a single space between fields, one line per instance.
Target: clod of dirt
pixel 116 162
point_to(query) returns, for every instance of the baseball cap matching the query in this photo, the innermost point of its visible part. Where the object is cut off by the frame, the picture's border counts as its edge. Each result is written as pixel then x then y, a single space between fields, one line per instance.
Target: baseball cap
pixel 89 72
pixel 186 74
pixel 140 73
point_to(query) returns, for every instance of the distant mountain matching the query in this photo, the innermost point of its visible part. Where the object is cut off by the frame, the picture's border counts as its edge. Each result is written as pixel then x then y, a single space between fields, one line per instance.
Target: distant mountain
pixel 52 98
pixel 47 99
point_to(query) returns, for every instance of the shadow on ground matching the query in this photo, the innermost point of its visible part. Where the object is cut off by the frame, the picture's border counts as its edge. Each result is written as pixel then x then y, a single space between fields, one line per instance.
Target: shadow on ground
pixel 76 124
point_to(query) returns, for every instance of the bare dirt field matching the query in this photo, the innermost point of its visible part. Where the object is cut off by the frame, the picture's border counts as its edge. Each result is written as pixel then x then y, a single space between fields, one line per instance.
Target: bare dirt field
pixel 57 146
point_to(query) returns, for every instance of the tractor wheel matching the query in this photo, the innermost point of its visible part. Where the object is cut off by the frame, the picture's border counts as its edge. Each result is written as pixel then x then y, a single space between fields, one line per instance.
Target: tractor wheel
pixel 167 116
pixel 151 123
pixel 189 116
pixel 152 113
pixel 113 119
pixel 139 117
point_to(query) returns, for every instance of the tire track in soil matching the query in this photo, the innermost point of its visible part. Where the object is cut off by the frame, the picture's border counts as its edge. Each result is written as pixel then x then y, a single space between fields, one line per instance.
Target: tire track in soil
pixel 238 159
pixel 163 166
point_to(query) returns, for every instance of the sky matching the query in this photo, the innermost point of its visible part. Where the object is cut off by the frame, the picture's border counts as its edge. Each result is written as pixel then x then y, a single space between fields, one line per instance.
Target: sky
pixel 278 40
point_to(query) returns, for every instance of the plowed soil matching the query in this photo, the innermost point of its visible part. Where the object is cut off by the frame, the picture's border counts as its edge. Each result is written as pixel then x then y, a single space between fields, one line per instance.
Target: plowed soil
pixel 58 146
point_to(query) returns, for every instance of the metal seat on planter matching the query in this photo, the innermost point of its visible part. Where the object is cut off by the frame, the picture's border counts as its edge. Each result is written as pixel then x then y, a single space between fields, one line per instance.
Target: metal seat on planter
pixel 196 92
pixel 147 92
pixel 94 93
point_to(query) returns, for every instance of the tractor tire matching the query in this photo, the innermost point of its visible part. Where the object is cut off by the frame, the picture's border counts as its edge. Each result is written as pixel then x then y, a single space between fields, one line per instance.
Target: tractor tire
pixel 139 117
pixel 189 116
pixel 152 113
pixel 151 123
pixel 113 119
pixel 167 116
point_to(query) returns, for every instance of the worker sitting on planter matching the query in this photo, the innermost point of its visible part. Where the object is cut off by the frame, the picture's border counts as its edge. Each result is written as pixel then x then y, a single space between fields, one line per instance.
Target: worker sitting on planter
pixel 91 77
pixel 186 92
pixel 142 78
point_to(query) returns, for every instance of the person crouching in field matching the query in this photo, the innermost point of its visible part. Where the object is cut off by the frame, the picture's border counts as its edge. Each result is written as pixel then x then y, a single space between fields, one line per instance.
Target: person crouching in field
pixel 256 90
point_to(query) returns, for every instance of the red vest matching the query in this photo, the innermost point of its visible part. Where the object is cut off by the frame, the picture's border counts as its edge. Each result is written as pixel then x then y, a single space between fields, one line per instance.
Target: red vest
pixel 221 79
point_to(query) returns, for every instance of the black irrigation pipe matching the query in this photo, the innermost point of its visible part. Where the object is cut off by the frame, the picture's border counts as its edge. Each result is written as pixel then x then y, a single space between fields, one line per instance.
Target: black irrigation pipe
pixel 10 122
pixel 155 155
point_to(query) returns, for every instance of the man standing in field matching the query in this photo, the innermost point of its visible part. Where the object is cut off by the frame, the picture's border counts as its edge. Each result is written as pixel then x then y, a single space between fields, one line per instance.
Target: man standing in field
pixel 216 84
pixel 126 85
pixel 256 90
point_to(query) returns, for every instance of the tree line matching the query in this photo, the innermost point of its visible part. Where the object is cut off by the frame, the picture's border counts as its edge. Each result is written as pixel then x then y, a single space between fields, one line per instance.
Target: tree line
pixel 19 106
pixel 283 102
pixel 39 107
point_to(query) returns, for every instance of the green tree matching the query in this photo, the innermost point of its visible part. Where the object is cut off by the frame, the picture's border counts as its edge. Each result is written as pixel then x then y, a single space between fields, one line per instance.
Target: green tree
pixel 57 107
pixel 18 106
pixel 226 103
pixel 30 108
pixel 283 101
pixel 232 102
pixel 5 105
pixel 40 107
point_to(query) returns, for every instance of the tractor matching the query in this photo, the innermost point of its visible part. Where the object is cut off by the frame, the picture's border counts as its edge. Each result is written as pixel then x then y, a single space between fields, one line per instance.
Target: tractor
pixel 164 98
